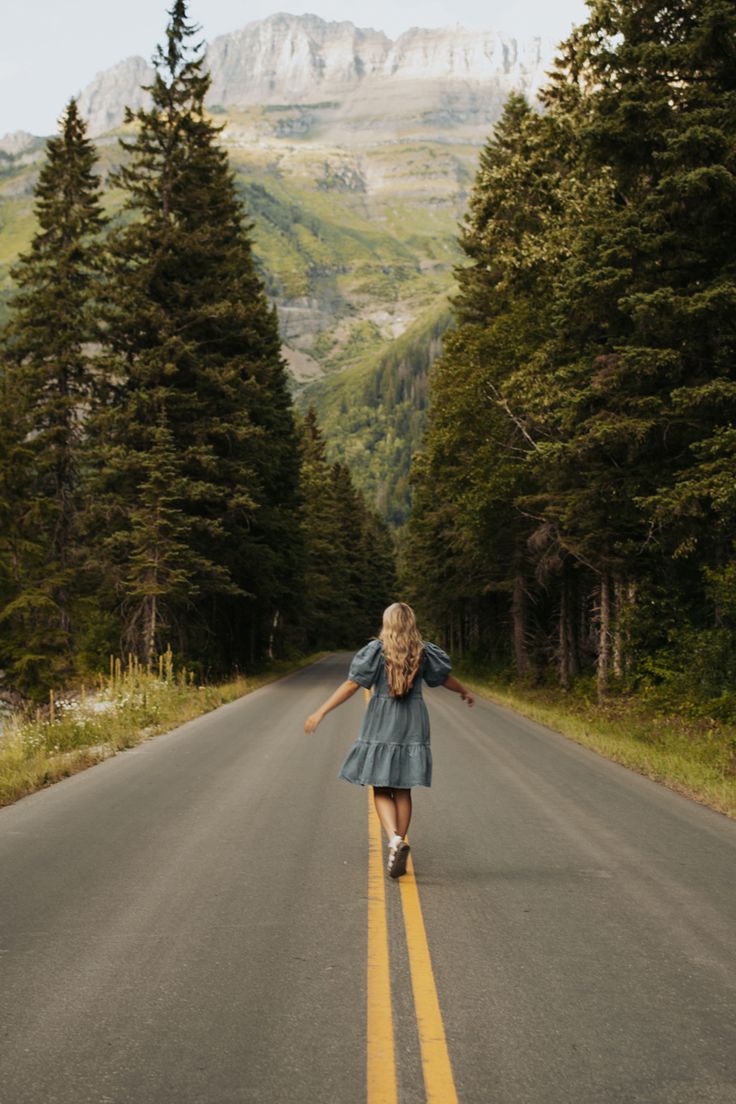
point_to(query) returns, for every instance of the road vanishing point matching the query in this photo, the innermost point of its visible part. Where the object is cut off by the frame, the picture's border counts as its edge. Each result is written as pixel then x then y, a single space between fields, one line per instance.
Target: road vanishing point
pixel 205 919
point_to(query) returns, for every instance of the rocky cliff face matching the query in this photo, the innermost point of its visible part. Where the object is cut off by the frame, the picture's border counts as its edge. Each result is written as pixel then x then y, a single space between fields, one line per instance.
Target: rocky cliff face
pixel 103 102
pixel 18 143
pixel 430 80
pixel 290 59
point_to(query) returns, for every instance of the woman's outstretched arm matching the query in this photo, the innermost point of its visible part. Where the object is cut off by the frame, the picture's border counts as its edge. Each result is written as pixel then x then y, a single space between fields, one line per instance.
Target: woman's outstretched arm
pixel 451 683
pixel 344 691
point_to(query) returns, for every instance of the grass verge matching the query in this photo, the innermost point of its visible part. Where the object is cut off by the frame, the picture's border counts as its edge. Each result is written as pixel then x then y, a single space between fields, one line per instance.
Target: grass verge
pixel 695 756
pixel 126 707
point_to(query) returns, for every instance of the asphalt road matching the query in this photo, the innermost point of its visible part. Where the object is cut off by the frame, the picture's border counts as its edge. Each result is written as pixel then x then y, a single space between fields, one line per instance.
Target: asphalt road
pixel 186 923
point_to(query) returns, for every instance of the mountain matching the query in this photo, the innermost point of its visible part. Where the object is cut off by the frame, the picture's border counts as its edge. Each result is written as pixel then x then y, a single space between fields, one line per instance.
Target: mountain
pixel 103 101
pixel 350 79
pixel 18 144
pixel 354 155
pixel 373 414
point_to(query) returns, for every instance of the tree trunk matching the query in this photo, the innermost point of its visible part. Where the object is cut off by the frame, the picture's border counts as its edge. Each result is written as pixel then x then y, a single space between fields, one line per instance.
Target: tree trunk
pixel 562 644
pixel 630 603
pixel 573 640
pixel 584 622
pixel 604 636
pixel 617 644
pixel 274 626
pixel 519 628
pixel 476 629
pixel 252 639
pixel 568 653
pixel 149 628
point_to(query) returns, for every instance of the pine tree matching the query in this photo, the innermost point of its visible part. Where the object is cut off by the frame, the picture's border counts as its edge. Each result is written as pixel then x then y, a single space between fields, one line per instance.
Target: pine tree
pixel 47 384
pixel 368 554
pixel 379 576
pixel 350 574
pixel 477 447
pixel 327 600
pixel 193 344
pixel 162 572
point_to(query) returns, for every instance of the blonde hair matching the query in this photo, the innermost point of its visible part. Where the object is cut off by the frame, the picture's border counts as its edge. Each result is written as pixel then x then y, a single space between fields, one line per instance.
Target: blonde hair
pixel 402 648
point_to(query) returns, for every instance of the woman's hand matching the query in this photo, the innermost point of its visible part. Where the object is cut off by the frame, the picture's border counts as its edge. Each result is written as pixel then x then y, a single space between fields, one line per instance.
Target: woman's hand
pixel 344 691
pixel 457 688
pixel 312 721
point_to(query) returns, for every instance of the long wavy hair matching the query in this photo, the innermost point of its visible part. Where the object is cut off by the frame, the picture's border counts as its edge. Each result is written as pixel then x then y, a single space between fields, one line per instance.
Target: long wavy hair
pixel 402 648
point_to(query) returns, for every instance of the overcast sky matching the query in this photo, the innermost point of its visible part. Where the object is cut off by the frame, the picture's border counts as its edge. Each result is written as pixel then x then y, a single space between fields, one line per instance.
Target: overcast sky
pixel 50 49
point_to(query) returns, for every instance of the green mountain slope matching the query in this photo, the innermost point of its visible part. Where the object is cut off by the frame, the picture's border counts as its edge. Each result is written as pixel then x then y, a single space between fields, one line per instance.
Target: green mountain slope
pixel 373 413
pixel 357 248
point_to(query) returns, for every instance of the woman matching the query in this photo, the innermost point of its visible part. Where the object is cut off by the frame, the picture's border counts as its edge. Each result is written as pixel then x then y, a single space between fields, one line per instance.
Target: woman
pixel 392 752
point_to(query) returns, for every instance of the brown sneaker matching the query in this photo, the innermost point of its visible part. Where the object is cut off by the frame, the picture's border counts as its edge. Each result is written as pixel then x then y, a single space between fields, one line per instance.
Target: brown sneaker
pixel 397 857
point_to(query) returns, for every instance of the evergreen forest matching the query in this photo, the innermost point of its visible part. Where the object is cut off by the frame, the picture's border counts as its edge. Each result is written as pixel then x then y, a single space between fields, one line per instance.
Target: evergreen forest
pixel 157 486
pixel 574 509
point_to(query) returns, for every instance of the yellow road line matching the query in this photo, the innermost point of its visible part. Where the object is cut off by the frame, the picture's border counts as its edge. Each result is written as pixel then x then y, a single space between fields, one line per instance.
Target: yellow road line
pixel 381 1059
pixel 439 1084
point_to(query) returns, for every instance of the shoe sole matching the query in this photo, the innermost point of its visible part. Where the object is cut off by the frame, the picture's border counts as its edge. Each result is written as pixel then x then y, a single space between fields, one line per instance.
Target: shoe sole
pixel 399 866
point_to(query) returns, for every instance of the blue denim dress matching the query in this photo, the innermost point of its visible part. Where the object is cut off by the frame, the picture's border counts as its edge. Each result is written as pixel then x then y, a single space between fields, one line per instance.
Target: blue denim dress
pixel 392 748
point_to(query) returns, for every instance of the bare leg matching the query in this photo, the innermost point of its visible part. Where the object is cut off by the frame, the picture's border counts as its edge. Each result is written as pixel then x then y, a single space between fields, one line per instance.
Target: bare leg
pixel 383 798
pixel 402 802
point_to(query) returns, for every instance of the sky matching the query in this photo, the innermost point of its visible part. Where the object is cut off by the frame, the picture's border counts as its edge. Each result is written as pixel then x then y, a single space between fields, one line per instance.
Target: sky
pixel 51 49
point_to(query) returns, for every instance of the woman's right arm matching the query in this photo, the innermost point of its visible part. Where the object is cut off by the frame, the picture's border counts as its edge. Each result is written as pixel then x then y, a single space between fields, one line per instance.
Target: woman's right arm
pixel 451 683
pixel 344 691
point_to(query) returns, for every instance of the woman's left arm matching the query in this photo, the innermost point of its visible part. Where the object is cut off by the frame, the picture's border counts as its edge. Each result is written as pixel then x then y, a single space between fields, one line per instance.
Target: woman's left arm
pixel 344 691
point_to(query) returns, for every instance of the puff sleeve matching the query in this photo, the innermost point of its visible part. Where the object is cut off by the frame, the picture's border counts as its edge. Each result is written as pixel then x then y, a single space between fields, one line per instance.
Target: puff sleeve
pixel 437 664
pixel 364 666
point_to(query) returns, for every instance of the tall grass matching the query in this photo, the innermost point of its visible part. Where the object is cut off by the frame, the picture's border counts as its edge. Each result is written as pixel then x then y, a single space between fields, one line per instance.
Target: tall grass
pixel 124 707
pixel 694 755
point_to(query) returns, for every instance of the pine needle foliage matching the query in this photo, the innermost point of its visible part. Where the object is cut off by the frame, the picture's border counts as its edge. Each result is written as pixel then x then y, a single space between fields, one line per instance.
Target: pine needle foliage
pixel 349 576
pixel 194 378
pixel 47 382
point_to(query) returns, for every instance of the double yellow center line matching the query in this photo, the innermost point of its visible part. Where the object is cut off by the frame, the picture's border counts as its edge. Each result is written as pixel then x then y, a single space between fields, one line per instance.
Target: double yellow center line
pixel 381 1055
pixel 439 1084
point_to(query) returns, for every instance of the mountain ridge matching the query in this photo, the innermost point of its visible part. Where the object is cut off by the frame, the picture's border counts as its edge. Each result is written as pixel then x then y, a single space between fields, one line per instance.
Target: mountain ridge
pixel 428 78
pixel 354 192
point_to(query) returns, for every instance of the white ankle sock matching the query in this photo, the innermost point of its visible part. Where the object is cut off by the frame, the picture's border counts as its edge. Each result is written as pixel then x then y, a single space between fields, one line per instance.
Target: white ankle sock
pixel 395 841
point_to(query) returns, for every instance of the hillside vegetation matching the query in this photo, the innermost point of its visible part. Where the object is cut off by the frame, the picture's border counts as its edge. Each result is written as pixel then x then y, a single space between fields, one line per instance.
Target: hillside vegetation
pixel 374 413
pixel 356 248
